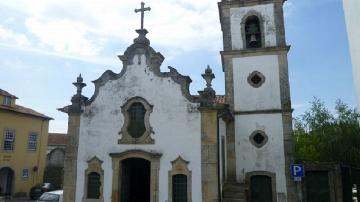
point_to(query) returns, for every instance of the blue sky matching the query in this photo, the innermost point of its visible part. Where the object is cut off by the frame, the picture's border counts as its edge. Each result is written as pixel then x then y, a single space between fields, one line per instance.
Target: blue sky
pixel 46 44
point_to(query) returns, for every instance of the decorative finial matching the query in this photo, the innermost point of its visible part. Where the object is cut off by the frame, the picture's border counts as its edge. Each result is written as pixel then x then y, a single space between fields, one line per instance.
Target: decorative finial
pixel 207 96
pixel 79 79
pixel 142 10
pixel 78 99
pixel 208 76
pixel 79 85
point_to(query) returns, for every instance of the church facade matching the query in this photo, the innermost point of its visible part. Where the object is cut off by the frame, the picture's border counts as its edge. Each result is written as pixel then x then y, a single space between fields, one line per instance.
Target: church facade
pixel 142 137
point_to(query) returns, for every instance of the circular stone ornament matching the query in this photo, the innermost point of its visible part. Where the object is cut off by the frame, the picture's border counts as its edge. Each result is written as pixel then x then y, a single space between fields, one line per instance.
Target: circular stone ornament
pixel 258 138
pixel 256 79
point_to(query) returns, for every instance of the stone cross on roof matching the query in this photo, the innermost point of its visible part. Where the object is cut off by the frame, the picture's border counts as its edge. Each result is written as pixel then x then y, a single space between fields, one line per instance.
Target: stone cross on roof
pixel 142 10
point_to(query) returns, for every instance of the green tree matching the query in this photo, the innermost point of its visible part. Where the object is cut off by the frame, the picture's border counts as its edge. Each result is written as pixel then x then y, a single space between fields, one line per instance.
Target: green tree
pixel 321 136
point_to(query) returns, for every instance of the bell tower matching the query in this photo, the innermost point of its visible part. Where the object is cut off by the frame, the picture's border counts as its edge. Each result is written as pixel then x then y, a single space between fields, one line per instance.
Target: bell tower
pixel 254 59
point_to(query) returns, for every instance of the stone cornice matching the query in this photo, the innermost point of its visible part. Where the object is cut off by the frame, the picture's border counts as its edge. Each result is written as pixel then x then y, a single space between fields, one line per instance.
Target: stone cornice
pixel 276 50
pixel 245 3
pixel 135 152
pixel 265 111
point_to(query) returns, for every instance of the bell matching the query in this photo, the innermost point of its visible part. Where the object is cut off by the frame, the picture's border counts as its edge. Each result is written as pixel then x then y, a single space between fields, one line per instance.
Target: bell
pixel 253 38
pixel 253 43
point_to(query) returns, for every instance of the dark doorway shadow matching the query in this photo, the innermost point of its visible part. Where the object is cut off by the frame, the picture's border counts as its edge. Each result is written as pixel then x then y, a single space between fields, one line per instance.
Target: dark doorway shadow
pixel 6 181
pixel 135 180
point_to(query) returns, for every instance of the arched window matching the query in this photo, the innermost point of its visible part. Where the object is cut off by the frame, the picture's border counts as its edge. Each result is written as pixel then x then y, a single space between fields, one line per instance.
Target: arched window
pixel 179 188
pixel 93 186
pixel 253 32
pixel 136 127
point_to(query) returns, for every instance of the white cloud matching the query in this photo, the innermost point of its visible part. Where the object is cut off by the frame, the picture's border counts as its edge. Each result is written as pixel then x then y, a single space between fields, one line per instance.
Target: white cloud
pixel 64 36
pixel 10 36
pixel 84 27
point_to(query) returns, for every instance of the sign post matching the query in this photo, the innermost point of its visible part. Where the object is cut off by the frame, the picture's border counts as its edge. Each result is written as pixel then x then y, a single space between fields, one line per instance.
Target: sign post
pixel 298 172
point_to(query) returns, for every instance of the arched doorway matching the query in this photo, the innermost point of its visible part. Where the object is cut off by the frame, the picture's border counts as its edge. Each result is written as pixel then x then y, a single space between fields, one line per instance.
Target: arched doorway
pixel 135 180
pixel 6 181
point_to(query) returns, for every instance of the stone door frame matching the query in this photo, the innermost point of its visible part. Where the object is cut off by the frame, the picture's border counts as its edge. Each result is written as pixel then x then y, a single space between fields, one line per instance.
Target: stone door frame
pixel 153 158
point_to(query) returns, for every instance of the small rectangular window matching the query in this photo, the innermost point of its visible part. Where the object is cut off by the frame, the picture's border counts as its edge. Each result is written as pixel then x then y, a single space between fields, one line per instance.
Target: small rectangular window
pixel 7 101
pixel 9 140
pixel 32 143
pixel 25 173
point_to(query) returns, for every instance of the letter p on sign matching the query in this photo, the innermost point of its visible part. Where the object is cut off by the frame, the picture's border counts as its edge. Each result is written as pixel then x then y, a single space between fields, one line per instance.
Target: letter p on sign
pixel 297 170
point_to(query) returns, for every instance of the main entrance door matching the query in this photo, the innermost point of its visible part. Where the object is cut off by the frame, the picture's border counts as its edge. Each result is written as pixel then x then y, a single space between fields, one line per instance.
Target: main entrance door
pixel 135 180
pixel 6 181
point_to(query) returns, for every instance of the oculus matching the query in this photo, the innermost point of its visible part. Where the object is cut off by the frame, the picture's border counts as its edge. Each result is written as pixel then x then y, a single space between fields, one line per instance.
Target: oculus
pixel 256 79
pixel 258 138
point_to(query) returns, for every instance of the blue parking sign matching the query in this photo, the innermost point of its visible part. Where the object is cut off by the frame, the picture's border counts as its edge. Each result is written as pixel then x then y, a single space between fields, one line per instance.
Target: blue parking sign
pixel 297 170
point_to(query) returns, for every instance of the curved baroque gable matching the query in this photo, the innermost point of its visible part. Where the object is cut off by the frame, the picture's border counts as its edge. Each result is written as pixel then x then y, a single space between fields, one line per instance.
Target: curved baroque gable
pixel 154 60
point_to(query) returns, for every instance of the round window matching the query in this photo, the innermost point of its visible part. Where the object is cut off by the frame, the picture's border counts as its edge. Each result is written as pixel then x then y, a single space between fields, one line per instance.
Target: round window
pixel 256 79
pixel 258 138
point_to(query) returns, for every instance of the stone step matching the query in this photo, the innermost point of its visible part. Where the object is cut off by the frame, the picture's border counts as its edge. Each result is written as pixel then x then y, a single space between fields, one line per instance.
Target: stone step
pixel 234 187
pixel 236 195
pixel 234 192
pixel 233 200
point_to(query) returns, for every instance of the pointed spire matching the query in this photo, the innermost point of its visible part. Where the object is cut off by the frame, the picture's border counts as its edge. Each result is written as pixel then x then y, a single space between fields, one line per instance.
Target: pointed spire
pixel 207 96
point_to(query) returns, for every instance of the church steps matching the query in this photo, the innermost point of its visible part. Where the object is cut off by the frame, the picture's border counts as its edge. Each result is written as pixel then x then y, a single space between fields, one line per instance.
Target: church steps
pixel 234 192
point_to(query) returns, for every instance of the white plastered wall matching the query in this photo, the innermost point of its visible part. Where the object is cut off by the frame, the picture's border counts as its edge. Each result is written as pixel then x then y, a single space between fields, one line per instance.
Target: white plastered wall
pixel 267 14
pixel 352 16
pixel 267 96
pixel 177 128
pixel 270 157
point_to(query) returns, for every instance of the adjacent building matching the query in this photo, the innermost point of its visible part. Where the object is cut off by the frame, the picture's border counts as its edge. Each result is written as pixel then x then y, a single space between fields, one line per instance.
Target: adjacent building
pixel 23 146
pixel 352 16
pixel 55 158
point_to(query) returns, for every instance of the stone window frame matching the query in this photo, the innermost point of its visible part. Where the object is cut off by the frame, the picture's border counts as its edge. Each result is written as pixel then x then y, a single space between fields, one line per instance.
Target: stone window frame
pixel 262 28
pixel 8 130
pixel 7 101
pixel 251 75
pixel 180 166
pixel 126 137
pixel 32 145
pixel 251 138
pixel 25 174
pixel 94 166
pixel 272 176
pixel 153 158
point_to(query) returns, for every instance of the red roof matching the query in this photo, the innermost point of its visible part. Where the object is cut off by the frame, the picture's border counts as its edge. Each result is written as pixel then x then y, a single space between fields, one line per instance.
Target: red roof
pixel 24 110
pixel 57 139
pixel 5 93
pixel 220 99
pixel 20 109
